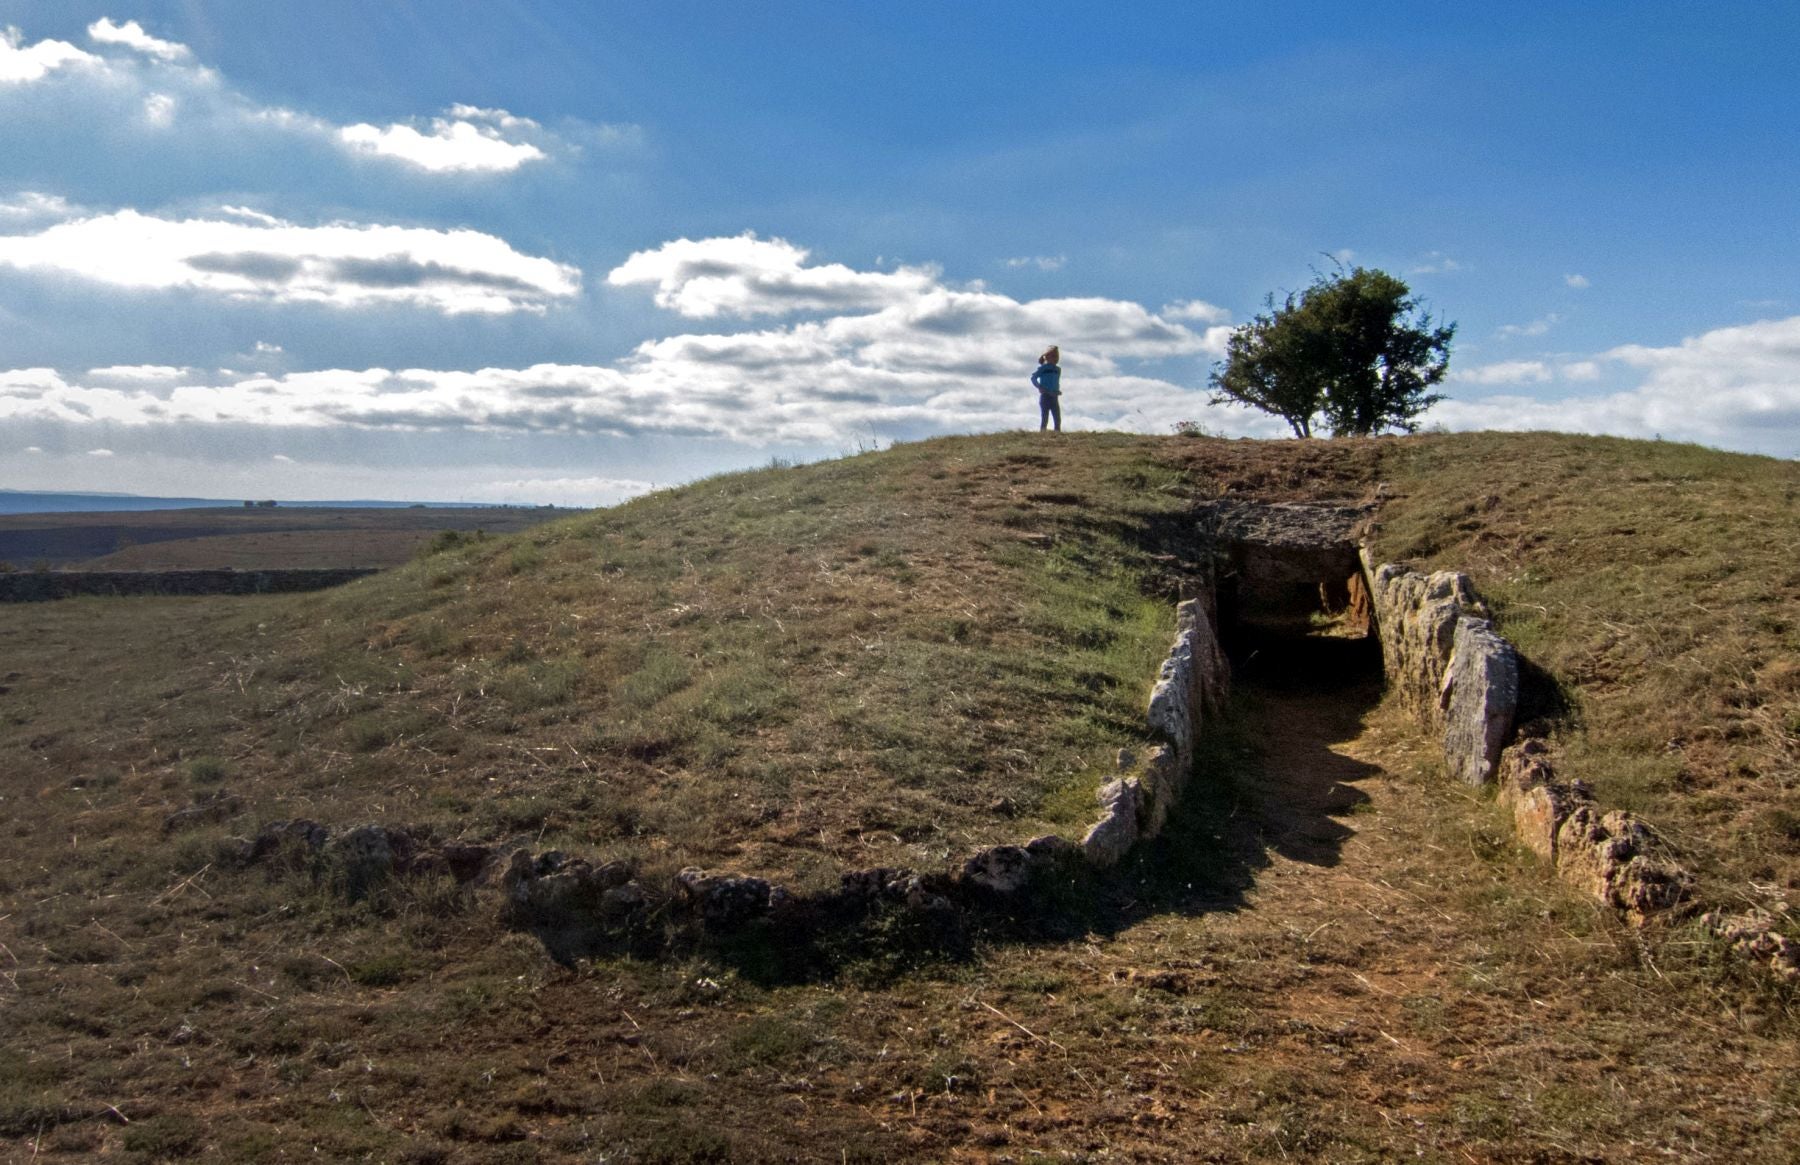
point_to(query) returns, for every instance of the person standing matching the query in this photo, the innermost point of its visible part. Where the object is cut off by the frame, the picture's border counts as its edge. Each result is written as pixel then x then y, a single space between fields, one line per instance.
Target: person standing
pixel 1048 381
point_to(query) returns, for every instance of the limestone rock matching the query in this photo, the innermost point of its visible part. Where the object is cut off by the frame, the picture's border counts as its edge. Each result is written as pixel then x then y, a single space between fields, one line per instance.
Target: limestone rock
pixel 1478 699
pixel 1621 861
pixel 1000 869
pixel 1111 837
pixel 1754 935
pixel 1538 802
pixel 1416 617
pixel 557 890
pixel 724 901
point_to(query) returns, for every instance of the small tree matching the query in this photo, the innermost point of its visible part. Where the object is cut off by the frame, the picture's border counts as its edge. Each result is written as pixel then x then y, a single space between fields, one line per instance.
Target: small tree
pixel 1349 347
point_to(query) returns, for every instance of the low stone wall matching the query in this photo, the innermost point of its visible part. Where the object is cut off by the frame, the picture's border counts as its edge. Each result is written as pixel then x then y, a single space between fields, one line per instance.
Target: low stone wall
pixel 1461 678
pixel 39 586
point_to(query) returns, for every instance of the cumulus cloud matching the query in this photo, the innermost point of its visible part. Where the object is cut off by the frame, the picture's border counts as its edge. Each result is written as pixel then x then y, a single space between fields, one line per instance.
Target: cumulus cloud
pixel 157 83
pixel 1041 262
pixel 1578 282
pixel 139 373
pixel 898 354
pixel 1195 309
pixel 918 358
pixel 747 276
pixel 1735 387
pixel 340 264
pixel 100 453
pixel 31 207
pixel 471 140
pixel 21 63
pixel 131 35
pixel 1504 372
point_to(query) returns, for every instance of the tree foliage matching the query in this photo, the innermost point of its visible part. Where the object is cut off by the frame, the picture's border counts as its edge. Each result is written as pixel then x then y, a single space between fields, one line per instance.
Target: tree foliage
pixel 1348 348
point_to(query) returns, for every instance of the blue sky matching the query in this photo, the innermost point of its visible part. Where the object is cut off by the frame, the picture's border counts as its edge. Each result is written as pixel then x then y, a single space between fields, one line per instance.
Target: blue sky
pixel 565 251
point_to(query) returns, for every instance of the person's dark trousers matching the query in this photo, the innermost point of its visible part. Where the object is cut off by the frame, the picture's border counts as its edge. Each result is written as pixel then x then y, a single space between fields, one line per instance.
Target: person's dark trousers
pixel 1049 408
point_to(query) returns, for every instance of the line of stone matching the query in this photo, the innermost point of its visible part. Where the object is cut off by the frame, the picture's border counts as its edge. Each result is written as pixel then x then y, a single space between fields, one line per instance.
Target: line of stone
pixel 1461 679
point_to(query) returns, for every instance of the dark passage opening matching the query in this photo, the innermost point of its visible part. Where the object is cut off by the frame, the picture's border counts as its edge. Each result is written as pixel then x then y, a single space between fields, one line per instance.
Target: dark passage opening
pixel 1296 617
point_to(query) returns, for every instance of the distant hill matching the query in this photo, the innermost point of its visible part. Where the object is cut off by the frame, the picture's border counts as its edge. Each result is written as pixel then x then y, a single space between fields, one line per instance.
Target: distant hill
pixel 13 501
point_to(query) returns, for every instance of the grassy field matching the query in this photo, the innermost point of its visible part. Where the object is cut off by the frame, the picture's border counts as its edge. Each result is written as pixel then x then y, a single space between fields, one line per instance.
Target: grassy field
pixel 890 659
pixel 245 538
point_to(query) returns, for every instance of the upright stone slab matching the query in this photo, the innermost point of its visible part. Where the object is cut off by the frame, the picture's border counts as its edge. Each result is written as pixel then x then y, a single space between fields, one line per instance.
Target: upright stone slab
pixel 1478 699
pixel 1416 617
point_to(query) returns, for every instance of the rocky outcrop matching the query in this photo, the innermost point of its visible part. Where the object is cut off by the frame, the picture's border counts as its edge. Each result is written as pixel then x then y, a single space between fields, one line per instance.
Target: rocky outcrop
pixel 1416 617
pixel 1621 861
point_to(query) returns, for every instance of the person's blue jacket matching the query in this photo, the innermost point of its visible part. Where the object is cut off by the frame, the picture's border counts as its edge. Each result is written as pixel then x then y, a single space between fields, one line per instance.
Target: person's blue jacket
pixel 1048 379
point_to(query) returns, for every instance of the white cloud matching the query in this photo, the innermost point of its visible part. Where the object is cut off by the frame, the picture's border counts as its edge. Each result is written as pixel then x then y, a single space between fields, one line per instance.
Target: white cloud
pixel 140 373
pixel 264 348
pixel 1536 327
pixel 1736 387
pixel 100 453
pixel 29 207
pixel 1041 262
pixel 131 35
pixel 158 84
pixel 1578 282
pixel 33 449
pixel 1195 309
pixel 159 109
pixel 923 358
pixel 1504 372
pixel 21 63
pixel 283 458
pixel 747 276
pixel 340 264
pixel 474 141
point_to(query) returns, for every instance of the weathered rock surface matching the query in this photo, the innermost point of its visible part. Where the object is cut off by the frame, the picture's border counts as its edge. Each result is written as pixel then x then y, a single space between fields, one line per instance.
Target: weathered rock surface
pixel 1000 869
pixel 1416 617
pixel 556 890
pixel 725 902
pixel 1478 699
pixel 1754 935
pixel 1538 802
pixel 1621 861
pixel 1112 837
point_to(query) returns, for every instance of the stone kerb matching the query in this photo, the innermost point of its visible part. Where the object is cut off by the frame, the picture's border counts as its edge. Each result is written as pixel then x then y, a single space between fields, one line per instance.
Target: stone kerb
pixel 1461 678
pixel 1478 700
pixel 558 893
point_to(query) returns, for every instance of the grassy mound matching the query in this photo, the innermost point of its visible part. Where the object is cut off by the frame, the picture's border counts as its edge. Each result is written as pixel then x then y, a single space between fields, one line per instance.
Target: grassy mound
pixel 892 659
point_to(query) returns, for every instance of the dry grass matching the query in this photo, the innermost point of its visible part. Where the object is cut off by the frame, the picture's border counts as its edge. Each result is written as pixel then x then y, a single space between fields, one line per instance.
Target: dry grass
pixel 1660 585
pixel 1331 955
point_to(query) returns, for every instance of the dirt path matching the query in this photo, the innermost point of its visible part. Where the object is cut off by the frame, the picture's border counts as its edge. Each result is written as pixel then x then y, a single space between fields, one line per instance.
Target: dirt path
pixel 1393 978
